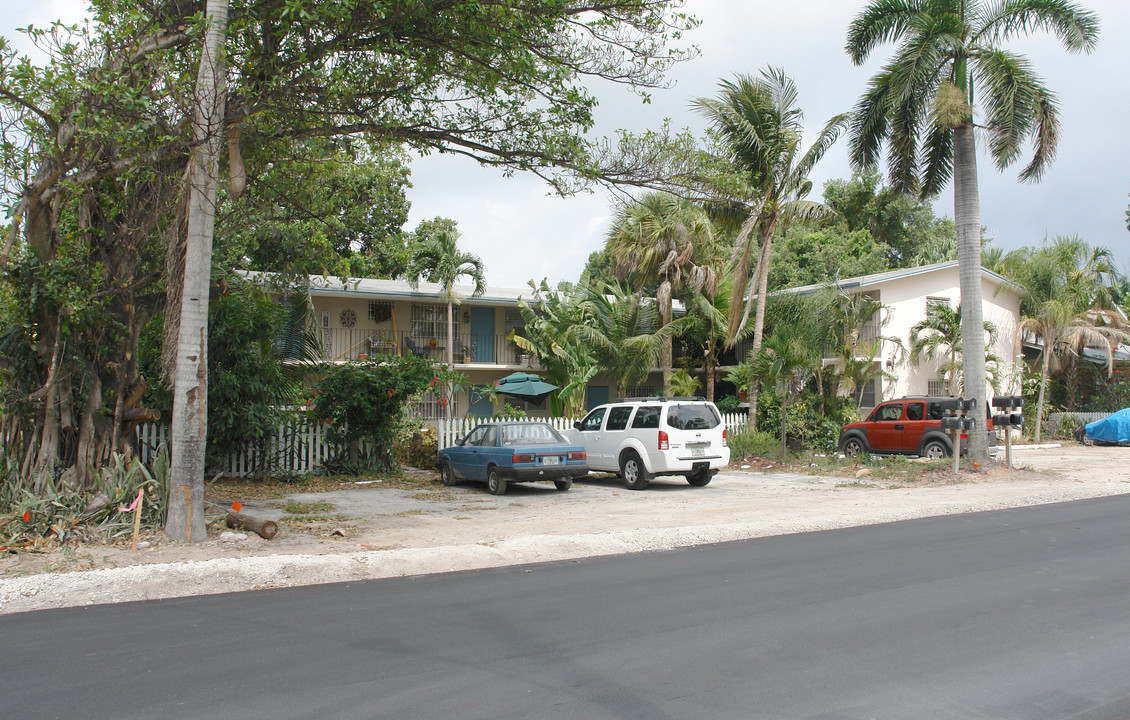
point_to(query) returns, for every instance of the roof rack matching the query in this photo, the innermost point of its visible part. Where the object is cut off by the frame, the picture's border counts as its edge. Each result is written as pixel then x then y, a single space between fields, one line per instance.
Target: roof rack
pixel 688 398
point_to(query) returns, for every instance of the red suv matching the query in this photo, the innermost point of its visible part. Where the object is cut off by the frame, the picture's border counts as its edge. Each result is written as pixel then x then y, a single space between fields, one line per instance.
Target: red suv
pixel 906 426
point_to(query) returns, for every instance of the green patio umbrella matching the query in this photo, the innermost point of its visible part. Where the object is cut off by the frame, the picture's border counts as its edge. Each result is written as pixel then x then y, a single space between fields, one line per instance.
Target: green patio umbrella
pixel 525 385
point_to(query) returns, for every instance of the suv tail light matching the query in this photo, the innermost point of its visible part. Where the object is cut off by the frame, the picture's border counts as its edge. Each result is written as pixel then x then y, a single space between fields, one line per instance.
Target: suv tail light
pixel 664 441
pixel 724 438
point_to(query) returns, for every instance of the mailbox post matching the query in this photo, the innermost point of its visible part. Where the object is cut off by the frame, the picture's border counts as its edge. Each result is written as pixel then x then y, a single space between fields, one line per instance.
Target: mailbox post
pixel 957 422
pixel 1008 420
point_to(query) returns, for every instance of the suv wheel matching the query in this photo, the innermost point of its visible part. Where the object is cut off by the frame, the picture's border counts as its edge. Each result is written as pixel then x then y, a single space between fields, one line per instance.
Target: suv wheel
pixel 700 479
pixel 853 447
pixel 636 476
pixel 935 450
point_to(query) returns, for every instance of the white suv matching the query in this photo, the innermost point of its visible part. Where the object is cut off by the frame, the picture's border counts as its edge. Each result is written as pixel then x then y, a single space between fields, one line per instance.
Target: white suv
pixel 639 438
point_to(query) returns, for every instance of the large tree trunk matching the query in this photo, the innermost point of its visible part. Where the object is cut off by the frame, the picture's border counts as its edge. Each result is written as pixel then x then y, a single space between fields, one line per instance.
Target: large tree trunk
pixel 967 218
pixel 189 428
pixel 666 314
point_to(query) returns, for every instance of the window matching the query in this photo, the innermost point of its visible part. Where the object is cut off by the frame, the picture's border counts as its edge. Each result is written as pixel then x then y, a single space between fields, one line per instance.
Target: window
pixel 914 411
pixel 647 417
pixel 692 417
pixel 490 438
pixel 890 412
pixel 932 305
pixel 592 420
pixel 936 387
pixel 475 436
pixel 618 418
pixel 430 322
pixel 867 397
pixel 530 434
pixel 935 411
pixel 429 407
pixel 641 391
pixel 379 311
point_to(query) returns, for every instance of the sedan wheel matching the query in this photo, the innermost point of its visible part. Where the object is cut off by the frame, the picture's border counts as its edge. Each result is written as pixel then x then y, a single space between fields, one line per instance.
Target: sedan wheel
pixel 447 475
pixel 495 483
pixel 636 476
pixel 563 484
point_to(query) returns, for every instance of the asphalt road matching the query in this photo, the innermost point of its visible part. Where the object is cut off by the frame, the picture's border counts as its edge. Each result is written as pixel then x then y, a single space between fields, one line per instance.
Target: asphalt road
pixel 1011 614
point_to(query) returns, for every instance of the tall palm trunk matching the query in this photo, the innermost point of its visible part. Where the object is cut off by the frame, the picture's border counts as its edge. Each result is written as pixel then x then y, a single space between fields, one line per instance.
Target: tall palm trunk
pixel 189 427
pixel 666 315
pixel 1045 370
pixel 967 218
pixel 759 313
pixel 447 387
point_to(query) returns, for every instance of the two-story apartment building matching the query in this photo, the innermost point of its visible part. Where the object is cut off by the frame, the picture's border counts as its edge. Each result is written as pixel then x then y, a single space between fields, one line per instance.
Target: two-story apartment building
pixel 360 317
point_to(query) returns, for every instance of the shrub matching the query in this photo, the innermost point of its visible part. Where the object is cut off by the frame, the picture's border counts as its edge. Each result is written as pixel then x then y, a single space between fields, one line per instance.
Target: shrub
pixel 749 442
pixel 729 404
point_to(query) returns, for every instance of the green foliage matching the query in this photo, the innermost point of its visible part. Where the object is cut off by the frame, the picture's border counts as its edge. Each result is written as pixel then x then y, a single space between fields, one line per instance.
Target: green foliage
pixel 729 404
pixel 318 208
pixel 364 401
pixel 752 443
pixel 811 422
pixel 682 384
pixel 807 255
pixel 64 513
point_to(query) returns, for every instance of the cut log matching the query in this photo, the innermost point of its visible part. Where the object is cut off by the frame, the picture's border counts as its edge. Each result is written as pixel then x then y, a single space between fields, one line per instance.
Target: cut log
pixel 265 529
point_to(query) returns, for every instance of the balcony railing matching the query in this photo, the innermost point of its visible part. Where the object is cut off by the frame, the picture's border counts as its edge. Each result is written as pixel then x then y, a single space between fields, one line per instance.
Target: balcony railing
pixel 345 344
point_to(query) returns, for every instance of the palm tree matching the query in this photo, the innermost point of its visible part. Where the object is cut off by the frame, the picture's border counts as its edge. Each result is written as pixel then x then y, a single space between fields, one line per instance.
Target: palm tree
pixel 669 239
pixel 439 260
pixel 855 322
pixel 622 330
pixel 1068 303
pixel 706 324
pixel 761 127
pixel 787 362
pixel 939 335
pixel 921 105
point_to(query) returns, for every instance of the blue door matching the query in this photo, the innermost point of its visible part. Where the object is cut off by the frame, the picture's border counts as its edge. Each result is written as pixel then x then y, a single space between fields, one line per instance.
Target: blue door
pixel 480 403
pixel 595 395
pixel 482 335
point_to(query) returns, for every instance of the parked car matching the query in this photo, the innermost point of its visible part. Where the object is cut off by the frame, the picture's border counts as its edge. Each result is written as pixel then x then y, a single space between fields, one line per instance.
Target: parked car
pixel 508 452
pixel 906 426
pixel 640 438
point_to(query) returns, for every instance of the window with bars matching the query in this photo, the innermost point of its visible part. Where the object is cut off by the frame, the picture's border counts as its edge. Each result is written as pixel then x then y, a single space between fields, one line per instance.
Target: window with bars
pixel 867 397
pixel 379 311
pixel 641 391
pixel 932 305
pixel 430 322
pixel 937 387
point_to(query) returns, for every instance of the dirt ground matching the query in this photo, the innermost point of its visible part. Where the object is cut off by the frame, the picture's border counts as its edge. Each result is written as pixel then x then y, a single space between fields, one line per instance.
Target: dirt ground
pixel 367 530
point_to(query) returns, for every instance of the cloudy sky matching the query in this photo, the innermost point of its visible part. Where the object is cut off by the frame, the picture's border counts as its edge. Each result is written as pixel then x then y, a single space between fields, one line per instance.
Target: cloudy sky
pixel 523 233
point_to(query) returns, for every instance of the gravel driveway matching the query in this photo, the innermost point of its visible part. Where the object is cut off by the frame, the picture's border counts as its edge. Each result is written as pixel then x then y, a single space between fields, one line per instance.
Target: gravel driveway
pixel 386 532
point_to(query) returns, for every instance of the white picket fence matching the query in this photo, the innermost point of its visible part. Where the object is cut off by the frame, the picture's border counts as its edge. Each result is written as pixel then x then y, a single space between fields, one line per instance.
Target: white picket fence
pixel 302 447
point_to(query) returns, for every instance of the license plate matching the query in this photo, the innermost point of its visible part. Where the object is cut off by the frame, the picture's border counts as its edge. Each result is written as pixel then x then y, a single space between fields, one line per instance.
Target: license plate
pixel 698 452
pixel 551 460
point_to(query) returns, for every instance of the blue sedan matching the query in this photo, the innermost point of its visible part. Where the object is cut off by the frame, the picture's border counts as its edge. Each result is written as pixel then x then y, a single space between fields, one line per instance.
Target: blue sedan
pixel 508 452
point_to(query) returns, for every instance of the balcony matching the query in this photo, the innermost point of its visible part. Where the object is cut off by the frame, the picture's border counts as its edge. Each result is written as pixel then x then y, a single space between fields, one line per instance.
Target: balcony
pixel 350 344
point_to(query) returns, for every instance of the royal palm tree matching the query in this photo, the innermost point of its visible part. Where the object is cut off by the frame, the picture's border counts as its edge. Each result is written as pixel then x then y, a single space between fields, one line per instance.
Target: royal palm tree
pixel 761 129
pixel 439 260
pixel 669 239
pixel 1068 303
pixel 921 105
pixel 939 335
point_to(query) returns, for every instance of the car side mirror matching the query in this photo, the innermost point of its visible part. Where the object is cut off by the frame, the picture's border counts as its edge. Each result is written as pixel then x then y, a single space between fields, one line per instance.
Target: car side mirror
pixel 460 442
pixel 577 425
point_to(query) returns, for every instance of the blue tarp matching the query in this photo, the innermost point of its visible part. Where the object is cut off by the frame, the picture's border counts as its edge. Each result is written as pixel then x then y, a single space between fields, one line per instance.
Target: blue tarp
pixel 1112 429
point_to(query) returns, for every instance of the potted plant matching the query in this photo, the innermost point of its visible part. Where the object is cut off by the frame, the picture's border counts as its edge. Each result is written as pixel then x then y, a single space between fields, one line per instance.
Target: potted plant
pixel 466 349
pixel 741 376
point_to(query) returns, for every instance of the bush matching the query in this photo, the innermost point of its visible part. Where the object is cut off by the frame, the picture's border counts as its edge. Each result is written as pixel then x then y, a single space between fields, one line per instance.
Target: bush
pixel 807 426
pixel 749 442
pixel 366 401
pixel 729 404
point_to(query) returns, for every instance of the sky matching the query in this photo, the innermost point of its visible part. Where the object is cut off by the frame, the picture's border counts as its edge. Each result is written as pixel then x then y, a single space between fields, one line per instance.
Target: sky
pixel 522 232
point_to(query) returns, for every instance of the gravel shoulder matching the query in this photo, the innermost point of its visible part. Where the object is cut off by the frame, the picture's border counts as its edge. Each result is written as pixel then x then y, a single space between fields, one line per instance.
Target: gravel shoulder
pixel 376 532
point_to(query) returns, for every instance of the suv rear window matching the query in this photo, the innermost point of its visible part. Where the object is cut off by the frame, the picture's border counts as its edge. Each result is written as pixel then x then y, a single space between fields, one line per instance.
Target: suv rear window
pixel 693 417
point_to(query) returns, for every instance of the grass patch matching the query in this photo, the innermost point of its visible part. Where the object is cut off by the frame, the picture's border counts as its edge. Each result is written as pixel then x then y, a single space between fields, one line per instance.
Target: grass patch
pixel 293 507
